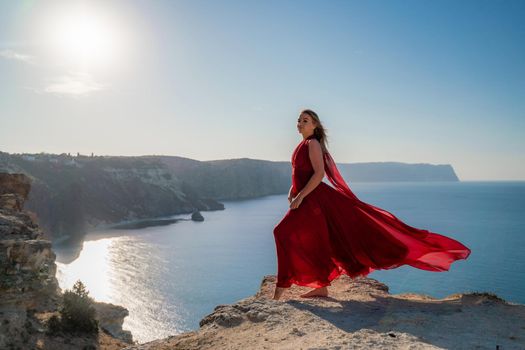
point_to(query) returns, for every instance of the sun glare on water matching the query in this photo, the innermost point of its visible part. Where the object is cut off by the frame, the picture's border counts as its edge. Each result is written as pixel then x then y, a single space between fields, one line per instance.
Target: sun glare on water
pixel 93 267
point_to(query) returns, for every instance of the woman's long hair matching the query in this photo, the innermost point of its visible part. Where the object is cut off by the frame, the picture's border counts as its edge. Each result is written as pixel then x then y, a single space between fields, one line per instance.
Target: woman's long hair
pixel 331 171
pixel 319 131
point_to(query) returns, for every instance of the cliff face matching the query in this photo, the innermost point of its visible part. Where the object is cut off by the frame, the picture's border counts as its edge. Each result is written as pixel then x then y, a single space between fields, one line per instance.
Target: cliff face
pixel 231 178
pixel 358 314
pixel 29 291
pixel 73 195
pixel 26 261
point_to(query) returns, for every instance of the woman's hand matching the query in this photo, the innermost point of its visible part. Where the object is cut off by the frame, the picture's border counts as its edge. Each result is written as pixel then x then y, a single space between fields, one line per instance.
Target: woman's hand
pixel 296 201
pixel 291 194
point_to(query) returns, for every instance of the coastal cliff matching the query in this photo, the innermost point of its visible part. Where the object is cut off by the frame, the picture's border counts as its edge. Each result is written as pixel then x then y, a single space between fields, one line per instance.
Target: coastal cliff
pixel 74 195
pixel 358 314
pixel 231 179
pixel 29 291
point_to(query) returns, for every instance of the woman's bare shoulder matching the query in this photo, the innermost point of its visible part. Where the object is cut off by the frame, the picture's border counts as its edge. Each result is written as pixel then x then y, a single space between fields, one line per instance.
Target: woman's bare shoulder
pixel 314 143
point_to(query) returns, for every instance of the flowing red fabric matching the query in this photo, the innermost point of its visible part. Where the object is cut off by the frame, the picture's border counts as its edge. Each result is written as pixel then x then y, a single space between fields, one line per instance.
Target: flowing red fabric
pixel 333 232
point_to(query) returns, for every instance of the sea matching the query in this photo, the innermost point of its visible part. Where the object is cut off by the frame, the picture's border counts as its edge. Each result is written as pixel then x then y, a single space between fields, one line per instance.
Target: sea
pixel 170 277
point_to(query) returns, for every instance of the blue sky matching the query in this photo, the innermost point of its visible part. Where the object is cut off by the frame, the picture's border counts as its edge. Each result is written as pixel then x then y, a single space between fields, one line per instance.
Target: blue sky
pixel 439 82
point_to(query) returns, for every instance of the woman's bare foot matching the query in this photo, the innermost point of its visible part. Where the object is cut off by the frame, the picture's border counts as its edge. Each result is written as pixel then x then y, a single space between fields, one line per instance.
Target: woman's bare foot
pixel 318 292
pixel 278 292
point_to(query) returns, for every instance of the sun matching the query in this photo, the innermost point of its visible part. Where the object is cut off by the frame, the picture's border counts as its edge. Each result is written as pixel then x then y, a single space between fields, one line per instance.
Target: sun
pixel 85 38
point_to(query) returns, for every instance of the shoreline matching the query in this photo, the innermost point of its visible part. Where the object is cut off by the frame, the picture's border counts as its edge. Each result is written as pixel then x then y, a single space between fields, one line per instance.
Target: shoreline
pixel 70 250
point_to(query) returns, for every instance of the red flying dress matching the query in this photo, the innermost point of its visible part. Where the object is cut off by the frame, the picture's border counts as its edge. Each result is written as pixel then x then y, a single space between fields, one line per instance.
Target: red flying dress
pixel 333 232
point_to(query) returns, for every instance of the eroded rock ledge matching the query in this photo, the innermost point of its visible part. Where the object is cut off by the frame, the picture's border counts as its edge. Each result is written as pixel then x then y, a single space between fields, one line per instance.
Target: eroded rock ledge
pixel 29 291
pixel 358 314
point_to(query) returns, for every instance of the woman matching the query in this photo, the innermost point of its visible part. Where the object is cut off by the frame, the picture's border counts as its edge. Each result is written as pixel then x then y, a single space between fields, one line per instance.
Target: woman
pixel 328 231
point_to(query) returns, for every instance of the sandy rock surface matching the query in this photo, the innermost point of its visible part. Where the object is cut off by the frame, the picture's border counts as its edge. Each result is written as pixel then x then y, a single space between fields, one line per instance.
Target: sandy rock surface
pixel 357 314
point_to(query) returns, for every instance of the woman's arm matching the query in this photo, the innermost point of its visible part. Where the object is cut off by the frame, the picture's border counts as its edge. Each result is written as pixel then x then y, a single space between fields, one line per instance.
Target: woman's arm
pixel 316 158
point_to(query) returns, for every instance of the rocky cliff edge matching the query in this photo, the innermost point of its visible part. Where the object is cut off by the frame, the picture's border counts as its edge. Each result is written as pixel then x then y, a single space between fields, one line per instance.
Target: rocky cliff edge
pixel 29 291
pixel 358 314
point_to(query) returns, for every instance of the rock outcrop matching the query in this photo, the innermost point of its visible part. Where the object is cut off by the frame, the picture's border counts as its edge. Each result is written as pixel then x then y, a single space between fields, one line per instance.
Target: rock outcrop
pixel 197 216
pixel 27 262
pixel 29 290
pixel 111 317
pixel 357 314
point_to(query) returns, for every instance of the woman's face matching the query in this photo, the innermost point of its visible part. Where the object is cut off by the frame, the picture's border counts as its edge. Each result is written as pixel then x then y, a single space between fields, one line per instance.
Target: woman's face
pixel 305 124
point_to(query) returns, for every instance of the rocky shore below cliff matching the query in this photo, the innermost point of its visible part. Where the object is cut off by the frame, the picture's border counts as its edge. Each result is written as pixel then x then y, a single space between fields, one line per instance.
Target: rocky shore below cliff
pixel 357 314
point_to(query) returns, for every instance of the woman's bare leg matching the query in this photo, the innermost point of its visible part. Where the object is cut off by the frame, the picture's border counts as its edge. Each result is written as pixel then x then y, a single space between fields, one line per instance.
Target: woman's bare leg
pixel 278 292
pixel 317 292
